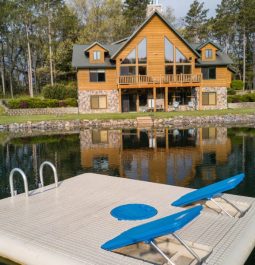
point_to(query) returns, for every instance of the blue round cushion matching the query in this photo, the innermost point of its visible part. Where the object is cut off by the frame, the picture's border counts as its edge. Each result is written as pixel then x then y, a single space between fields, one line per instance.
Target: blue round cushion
pixel 133 212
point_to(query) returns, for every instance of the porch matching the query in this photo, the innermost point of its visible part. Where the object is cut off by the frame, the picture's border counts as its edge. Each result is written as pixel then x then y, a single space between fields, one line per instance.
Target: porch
pixel 157 99
pixel 133 81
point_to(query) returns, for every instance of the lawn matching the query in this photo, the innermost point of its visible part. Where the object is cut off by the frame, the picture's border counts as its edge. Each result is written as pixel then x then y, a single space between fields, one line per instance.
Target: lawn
pixel 5 119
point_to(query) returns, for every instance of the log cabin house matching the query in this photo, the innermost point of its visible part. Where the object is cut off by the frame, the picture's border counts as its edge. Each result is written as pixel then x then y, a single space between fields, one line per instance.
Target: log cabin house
pixel 155 69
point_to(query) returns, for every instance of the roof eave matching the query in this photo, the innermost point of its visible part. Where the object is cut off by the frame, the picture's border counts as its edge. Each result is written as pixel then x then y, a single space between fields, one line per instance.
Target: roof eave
pixel 96 43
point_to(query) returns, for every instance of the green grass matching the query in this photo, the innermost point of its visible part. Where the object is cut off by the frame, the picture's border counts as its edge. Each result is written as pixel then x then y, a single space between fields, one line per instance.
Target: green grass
pixel 5 119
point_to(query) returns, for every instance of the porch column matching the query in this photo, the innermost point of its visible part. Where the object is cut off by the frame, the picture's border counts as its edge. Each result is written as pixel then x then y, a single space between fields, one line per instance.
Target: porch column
pixel 120 103
pixel 166 99
pixel 155 98
pixel 200 98
pixel 137 102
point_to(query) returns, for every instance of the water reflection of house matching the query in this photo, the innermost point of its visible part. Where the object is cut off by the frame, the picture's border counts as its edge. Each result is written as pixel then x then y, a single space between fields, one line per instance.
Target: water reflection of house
pixel 165 156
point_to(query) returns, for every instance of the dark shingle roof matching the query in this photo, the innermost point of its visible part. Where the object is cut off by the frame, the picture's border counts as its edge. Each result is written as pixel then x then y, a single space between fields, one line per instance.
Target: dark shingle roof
pixel 222 59
pixel 81 60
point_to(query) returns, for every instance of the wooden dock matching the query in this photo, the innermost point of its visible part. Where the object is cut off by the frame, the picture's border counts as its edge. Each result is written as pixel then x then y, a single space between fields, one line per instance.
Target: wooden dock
pixel 67 225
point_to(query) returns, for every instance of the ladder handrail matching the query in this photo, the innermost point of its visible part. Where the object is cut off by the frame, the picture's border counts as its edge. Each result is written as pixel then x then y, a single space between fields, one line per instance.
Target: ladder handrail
pixel 24 179
pixel 54 172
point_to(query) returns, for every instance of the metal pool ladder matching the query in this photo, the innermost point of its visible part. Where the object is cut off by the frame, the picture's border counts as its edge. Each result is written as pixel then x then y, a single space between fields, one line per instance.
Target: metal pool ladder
pixel 21 172
pixel 54 172
pixel 14 192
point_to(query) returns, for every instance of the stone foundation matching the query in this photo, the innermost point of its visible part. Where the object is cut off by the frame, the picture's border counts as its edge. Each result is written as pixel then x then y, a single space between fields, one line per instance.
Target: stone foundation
pixel 222 100
pixel 85 101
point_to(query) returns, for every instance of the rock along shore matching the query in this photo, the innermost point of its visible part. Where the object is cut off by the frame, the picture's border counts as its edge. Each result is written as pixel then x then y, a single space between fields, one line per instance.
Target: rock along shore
pixel 181 121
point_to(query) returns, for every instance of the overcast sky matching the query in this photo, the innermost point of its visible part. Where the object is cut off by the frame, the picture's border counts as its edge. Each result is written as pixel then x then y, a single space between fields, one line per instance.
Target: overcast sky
pixel 182 6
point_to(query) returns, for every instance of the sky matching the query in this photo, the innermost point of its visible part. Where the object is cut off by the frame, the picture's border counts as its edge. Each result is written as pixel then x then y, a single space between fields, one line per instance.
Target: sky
pixel 181 7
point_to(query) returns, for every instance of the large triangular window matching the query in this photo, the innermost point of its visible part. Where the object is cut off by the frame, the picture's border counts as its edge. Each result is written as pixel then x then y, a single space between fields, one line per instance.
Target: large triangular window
pixel 131 58
pixel 180 58
pixel 142 52
pixel 169 51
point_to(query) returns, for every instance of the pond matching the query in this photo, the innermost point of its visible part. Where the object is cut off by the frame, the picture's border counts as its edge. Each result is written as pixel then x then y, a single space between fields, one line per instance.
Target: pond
pixel 192 157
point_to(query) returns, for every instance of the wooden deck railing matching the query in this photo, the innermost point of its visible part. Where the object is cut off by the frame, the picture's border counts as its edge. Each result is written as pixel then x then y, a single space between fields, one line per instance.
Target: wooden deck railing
pixel 165 79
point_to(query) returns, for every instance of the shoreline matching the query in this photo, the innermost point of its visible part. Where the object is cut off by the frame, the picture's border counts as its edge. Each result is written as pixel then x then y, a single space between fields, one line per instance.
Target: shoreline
pixel 155 122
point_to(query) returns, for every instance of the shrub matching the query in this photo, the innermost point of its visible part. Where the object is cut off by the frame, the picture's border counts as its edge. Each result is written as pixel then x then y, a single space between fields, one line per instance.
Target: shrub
pixel 59 91
pixel 231 91
pixel 31 103
pixel 237 84
pixel 241 98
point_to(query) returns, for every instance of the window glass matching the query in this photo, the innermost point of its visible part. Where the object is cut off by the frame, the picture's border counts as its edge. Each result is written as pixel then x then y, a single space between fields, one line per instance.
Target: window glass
pixel 209 98
pixel 187 69
pixel 209 73
pixel 169 69
pixel 98 102
pixel 142 51
pixel 131 58
pixel 179 69
pixel 96 55
pixel 212 98
pixel 102 102
pixel 94 102
pixel 127 70
pixel 169 51
pixel 97 75
pixel 142 70
pixel 180 58
pixel 208 53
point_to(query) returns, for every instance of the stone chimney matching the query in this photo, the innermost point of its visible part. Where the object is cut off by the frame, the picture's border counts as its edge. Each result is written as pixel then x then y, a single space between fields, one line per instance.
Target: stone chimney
pixel 154 5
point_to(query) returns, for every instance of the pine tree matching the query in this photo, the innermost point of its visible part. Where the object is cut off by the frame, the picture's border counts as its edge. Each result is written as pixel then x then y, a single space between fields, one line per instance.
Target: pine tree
pixel 196 22
pixel 134 12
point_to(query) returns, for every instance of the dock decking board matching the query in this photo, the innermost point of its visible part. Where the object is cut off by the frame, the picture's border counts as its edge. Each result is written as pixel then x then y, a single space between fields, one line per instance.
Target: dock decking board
pixel 68 225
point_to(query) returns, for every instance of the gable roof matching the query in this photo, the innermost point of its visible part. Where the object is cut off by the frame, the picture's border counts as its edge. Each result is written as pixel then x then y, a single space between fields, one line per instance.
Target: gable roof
pixel 201 45
pixel 80 60
pixel 96 43
pixel 222 59
pixel 156 13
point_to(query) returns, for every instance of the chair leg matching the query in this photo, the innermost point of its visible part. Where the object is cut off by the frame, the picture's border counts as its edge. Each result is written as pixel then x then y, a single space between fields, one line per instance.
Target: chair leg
pixel 230 203
pixel 152 243
pixel 223 210
pixel 191 251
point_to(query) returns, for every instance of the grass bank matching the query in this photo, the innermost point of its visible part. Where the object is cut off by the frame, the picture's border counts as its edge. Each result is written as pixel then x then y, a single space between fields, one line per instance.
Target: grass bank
pixel 5 119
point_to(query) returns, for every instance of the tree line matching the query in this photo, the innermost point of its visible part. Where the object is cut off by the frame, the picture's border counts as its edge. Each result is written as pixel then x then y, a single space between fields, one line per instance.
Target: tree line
pixel 36 36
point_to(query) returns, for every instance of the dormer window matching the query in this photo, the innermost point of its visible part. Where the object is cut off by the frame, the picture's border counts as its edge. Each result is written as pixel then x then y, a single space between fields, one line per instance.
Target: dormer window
pixel 96 55
pixel 208 53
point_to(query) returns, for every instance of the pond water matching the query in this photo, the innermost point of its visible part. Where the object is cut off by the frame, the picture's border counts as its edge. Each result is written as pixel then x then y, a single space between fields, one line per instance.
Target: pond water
pixel 192 157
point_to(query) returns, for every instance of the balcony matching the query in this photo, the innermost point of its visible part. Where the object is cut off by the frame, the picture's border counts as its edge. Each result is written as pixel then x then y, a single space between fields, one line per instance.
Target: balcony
pixel 164 80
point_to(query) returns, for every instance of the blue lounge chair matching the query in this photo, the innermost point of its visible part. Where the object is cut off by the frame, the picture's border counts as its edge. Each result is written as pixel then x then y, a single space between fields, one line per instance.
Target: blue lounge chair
pixel 210 192
pixel 148 232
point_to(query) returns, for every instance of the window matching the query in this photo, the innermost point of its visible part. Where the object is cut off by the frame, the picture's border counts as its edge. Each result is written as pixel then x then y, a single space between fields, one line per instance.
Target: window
pixel 169 70
pixel 98 102
pixel 127 70
pixel 209 73
pixel 142 70
pixel 180 58
pixel 96 55
pixel 208 54
pixel 131 58
pixel 97 75
pixel 183 69
pixel 142 52
pixel 169 51
pixel 209 98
